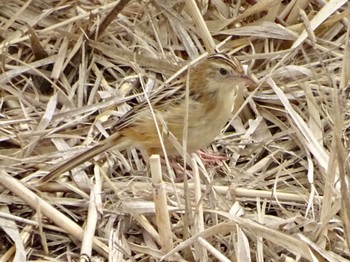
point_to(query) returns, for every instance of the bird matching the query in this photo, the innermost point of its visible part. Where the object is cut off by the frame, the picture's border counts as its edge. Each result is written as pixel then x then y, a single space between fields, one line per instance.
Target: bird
pixel 205 93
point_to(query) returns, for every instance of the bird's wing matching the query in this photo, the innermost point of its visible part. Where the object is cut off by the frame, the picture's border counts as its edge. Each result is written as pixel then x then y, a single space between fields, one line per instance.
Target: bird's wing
pixel 163 98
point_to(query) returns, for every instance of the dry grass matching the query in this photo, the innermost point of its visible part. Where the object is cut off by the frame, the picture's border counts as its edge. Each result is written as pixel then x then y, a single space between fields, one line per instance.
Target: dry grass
pixel 70 68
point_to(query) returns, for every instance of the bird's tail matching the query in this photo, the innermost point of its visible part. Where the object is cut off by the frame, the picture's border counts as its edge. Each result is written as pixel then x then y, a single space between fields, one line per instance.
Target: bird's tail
pixel 115 140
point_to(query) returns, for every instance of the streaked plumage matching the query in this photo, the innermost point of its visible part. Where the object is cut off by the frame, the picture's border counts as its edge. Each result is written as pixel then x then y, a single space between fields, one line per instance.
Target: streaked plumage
pixel 214 83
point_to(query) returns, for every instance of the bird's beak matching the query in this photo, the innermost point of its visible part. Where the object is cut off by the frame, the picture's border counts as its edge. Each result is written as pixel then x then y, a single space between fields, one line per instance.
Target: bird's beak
pixel 249 82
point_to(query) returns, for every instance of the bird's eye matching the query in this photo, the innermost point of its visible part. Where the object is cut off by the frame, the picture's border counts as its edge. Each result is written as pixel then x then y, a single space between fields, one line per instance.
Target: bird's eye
pixel 223 71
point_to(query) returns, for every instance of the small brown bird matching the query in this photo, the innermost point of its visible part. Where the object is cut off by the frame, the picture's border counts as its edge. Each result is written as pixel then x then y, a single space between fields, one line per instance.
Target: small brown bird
pixel 213 85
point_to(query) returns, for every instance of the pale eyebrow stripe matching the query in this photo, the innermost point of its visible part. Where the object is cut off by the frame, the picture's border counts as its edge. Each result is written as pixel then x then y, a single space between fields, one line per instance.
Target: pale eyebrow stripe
pixel 233 63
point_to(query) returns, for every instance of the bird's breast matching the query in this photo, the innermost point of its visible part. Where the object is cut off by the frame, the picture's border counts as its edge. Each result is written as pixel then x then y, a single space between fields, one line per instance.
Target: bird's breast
pixel 205 119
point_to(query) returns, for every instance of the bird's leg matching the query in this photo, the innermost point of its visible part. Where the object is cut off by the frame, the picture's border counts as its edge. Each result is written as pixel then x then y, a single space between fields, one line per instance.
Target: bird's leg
pixel 211 158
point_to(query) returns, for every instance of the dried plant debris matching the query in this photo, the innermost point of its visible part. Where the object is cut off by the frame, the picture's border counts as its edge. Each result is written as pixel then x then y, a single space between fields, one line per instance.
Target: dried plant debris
pixel 278 189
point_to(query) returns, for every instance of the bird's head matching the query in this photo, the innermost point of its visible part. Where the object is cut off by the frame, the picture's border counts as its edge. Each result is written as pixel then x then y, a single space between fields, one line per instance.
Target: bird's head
pixel 218 73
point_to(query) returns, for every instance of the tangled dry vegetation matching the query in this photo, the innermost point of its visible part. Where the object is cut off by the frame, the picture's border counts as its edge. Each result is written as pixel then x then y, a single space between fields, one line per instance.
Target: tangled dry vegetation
pixel 69 69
